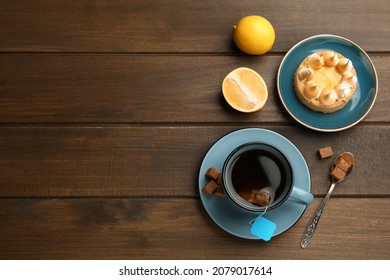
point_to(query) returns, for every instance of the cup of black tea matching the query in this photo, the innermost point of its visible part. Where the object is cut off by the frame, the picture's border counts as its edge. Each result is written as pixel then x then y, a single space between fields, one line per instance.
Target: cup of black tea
pixel 258 177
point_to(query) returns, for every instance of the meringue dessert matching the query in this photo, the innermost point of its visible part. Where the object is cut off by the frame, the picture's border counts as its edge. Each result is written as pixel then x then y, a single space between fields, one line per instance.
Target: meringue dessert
pixel 325 81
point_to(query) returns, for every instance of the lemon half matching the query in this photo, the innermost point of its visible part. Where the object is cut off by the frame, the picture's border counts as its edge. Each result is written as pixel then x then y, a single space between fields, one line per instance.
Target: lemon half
pixel 245 90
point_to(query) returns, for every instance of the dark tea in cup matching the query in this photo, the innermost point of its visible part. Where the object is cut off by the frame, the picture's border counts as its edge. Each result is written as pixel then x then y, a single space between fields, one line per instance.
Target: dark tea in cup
pixel 257 176
pixel 259 171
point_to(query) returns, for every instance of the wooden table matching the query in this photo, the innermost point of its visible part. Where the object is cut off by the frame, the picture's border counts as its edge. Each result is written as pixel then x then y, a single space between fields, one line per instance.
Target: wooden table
pixel 108 107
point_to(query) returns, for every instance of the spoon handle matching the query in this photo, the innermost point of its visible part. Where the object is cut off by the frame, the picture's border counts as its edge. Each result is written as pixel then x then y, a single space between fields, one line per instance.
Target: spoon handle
pixel 312 226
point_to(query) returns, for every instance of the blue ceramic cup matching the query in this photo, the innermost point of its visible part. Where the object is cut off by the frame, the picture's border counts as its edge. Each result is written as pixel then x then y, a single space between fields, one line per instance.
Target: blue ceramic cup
pixel 257 166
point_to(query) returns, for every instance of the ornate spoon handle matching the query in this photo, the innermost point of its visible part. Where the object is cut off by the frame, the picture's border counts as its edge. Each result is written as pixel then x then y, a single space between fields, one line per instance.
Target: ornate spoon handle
pixel 311 227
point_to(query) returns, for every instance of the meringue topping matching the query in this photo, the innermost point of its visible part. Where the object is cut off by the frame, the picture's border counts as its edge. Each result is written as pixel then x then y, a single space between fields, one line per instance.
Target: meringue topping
pixel 328 97
pixel 306 74
pixel 315 61
pixel 344 66
pixel 342 91
pixel 349 79
pixel 330 58
pixel 311 90
pixel 325 81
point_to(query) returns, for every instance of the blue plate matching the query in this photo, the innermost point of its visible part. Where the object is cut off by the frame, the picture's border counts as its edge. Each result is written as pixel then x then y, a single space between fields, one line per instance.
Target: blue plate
pixel 229 216
pixel 359 105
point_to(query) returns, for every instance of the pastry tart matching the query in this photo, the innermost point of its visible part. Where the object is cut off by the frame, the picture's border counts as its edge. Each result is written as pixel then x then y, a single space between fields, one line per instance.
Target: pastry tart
pixel 325 81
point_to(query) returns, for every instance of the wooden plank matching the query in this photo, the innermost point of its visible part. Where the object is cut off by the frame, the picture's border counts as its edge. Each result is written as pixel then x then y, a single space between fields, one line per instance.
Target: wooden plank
pixel 139 89
pixel 72 161
pixel 162 228
pixel 181 26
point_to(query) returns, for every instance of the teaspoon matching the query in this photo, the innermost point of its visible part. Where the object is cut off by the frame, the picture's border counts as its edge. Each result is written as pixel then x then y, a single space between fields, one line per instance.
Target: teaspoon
pixel 311 227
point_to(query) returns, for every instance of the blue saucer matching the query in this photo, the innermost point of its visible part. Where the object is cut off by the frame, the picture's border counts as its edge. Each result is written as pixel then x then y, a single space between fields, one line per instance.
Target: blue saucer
pixel 359 105
pixel 223 211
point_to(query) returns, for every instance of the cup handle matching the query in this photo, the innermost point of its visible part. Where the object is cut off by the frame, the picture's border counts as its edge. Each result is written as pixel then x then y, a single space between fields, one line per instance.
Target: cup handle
pixel 300 196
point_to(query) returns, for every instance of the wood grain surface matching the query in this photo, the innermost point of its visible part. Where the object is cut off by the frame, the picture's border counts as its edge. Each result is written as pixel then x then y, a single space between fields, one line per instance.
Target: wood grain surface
pixel 139 88
pixel 162 161
pixel 171 26
pixel 107 109
pixel 161 228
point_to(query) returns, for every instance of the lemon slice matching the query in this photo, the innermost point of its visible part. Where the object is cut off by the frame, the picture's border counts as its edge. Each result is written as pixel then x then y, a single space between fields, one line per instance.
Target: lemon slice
pixel 245 90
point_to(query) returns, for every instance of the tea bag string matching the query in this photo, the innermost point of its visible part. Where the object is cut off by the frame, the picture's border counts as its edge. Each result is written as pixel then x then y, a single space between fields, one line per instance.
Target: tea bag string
pixel 262 214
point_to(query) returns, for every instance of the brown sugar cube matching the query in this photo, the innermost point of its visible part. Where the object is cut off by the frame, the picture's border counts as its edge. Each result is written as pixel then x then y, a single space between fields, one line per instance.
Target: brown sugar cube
pixel 325 152
pixel 259 198
pixel 252 197
pixel 212 173
pixel 210 187
pixel 219 191
pixel 338 174
pixel 343 164
pixel 262 199
pixel 219 180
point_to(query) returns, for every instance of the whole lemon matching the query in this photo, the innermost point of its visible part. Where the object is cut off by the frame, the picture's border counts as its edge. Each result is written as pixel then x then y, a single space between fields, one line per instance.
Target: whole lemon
pixel 254 35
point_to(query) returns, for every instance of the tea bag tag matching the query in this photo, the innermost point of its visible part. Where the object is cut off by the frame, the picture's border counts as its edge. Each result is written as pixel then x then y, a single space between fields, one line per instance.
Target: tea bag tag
pixel 263 228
